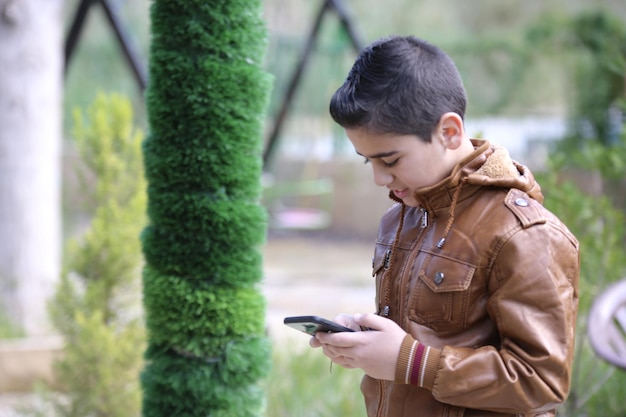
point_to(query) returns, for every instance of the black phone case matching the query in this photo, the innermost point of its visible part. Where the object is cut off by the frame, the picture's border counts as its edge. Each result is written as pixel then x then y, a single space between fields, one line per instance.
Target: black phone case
pixel 313 324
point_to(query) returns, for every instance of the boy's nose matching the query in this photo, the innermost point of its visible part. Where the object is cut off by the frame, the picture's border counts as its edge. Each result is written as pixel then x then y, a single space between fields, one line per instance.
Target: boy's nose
pixel 382 177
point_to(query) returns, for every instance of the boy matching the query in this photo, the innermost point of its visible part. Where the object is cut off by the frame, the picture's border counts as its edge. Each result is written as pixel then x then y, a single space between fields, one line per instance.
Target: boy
pixel 476 281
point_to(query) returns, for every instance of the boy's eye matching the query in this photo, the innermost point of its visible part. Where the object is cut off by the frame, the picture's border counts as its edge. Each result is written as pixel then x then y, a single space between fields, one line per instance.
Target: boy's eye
pixel 384 163
pixel 390 164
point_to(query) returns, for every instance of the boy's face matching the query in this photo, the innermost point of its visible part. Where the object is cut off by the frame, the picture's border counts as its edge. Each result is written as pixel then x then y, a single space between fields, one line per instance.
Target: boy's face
pixel 402 163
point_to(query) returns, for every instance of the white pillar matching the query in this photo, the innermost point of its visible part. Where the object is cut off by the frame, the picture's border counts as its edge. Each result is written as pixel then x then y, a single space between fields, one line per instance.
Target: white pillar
pixel 31 83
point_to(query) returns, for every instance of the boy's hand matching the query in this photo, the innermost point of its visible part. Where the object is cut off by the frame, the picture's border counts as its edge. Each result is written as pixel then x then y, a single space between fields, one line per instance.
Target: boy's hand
pixel 343 319
pixel 375 351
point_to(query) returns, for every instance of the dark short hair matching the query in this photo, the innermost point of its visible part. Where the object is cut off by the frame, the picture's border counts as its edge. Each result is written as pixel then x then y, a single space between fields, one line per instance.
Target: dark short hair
pixel 400 85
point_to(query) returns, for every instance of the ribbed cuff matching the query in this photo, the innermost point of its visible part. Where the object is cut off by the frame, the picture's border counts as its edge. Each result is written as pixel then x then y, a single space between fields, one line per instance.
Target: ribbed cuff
pixel 405 360
pixel 417 363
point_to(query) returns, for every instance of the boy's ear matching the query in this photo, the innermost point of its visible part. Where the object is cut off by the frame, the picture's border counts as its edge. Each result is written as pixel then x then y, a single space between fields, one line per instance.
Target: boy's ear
pixel 451 130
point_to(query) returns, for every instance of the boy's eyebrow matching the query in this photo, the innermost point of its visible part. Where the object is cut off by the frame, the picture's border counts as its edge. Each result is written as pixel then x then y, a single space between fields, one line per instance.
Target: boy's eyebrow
pixel 378 155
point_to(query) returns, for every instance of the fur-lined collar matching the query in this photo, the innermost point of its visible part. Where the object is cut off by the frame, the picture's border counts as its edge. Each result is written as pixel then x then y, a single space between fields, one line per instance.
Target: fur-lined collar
pixel 500 170
pixel 498 165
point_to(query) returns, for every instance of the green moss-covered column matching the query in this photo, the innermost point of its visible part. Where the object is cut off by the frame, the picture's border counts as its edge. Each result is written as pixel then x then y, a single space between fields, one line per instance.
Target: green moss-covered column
pixel 207 350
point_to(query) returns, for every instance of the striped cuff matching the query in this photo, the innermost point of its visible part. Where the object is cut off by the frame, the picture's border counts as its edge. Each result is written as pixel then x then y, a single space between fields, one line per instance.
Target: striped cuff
pixel 417 363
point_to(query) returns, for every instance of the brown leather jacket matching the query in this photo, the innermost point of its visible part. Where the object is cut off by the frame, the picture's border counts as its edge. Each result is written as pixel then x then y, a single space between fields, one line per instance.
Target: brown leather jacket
pixel 486 277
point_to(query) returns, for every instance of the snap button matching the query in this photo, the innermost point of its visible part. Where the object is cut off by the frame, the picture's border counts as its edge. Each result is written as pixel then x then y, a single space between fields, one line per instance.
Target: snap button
pixel 439 277
pixel 522 202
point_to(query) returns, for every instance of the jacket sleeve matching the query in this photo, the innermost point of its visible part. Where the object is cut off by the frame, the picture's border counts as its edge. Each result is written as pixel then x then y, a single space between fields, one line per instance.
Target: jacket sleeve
pixel 533 301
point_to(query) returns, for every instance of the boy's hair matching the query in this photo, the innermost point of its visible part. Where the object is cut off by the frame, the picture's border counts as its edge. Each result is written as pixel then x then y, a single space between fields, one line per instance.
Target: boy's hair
pixel 399 85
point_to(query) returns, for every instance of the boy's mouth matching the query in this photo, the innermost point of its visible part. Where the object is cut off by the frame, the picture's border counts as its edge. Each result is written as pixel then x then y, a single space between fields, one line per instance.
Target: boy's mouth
pixel 401 193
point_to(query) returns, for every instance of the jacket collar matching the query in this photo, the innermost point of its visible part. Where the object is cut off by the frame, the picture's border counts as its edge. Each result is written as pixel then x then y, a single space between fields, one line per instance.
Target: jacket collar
pixel 488 166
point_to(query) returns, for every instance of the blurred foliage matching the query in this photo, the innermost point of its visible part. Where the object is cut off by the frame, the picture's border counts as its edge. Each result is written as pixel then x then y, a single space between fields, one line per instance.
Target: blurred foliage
pixel 609 161
pixel 7 328
pixel 303 384
pixel 96 304
pixel 599 226
pixel 594 45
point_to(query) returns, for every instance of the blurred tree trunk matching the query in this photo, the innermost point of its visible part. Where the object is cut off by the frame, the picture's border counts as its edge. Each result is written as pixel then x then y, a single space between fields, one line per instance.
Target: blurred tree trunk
pixel 30 141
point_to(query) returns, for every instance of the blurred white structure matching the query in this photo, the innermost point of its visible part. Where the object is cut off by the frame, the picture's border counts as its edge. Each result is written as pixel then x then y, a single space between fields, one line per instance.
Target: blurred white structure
pixel 31 82
pixel 528 139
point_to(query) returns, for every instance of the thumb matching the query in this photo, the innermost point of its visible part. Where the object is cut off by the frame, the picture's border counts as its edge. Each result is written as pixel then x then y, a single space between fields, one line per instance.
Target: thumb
pixel 371 321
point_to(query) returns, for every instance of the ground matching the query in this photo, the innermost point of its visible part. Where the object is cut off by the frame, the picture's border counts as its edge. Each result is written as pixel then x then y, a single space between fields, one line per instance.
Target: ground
pixel 322 277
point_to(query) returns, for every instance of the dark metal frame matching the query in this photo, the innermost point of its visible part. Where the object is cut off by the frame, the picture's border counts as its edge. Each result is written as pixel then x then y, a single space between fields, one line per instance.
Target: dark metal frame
pixel 130 52
pixel 135 63
pixel 328 6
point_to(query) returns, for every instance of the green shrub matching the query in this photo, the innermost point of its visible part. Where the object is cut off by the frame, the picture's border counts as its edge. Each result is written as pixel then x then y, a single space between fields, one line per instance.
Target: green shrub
pixel 302 384
pixel 592 48
pixel 95 306
pixel 207 350
pixel 599 227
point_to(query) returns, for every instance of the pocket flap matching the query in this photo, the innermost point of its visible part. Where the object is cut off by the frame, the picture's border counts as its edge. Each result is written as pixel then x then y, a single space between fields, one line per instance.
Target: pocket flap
pixel 446 275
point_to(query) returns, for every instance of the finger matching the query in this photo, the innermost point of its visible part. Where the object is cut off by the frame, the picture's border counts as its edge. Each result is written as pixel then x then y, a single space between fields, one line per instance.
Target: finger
pixel 314 343
pixel 338 354
pixel 344 362
pixel 332 354
pixel 371 321
pixel 344 319
pixel 345 339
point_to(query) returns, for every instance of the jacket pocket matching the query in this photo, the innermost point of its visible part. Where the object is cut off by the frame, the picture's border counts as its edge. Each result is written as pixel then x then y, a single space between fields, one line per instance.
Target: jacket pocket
pixel 440 298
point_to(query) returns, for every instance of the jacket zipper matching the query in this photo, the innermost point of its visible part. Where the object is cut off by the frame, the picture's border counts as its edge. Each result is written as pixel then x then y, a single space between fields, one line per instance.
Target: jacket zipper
pixel 383 287
pixel 382 404
pixel 409 261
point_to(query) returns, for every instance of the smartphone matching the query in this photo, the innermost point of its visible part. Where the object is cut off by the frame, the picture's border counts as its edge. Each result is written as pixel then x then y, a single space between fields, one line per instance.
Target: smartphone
pixel 313 324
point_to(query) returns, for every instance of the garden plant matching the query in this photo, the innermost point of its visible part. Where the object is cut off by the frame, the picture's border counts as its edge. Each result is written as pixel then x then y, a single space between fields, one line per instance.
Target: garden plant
pixel 207 349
